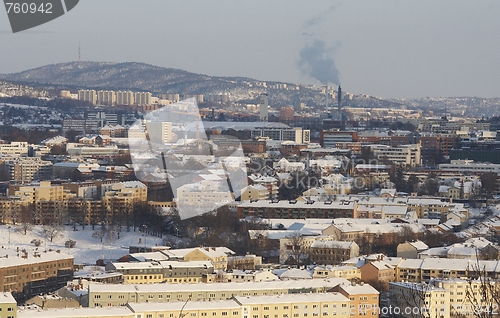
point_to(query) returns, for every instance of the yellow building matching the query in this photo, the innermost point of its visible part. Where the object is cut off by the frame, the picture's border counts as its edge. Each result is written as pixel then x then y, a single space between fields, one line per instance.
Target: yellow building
pixel 44 191
pixel 108 295
pixel 138 273
pixel 363 299
pixel 280 306
pixel 8 305
pixel 347 272
pixel 254 192
pixel 218 256
pixel 460 303
pixel 420 300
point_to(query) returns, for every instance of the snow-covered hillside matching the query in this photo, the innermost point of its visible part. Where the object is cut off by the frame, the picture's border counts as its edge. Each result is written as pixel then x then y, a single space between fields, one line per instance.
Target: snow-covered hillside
pixel 88 248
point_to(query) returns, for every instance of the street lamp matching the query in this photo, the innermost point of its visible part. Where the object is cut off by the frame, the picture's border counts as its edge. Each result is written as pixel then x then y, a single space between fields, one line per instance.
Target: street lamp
pixel 145 236
pixel 9 235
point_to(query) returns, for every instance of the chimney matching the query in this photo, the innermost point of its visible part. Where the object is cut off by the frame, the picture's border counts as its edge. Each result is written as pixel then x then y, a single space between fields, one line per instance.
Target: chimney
pixel 339 97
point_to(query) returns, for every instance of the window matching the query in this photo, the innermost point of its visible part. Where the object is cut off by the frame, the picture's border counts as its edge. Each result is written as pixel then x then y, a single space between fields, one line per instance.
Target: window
pixel 149 315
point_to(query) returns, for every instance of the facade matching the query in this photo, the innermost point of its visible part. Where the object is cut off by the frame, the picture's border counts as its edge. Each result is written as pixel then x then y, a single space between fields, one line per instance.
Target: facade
pixel 363 299
pixel 347 272
pixel 330 138
pixel 173 272
pixel 159 132
pixel 298 135
pixel 8 305
pixel 28 168
pixel 28 274
pixel 405 155
pixel 377 271
pixel 416 300
pixel 142 98
pixel 125 98
pixel 106 97
pixel 411 249
pixel 87 96
pixel 109 295
pixel 469 166
pixel 332 252
pixel 296 209
pixel 423 270
pixel 254 192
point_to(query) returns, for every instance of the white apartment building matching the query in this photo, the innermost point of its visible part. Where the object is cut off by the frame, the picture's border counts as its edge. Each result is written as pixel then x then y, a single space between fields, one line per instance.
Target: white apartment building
pixel 28 168
pixel 87 95
pixel 142 98
pixel 469 166
pixel 125 98
pixel 406 155
pixel 159 132
pixel 298 135
pixel 14 148
pixel 205 193
pixel 444 297
pixel 420 300
pixel 106 97
pixel 109 295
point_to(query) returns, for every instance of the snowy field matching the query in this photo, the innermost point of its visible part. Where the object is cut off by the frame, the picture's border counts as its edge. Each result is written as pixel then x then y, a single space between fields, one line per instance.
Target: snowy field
pixel 88 249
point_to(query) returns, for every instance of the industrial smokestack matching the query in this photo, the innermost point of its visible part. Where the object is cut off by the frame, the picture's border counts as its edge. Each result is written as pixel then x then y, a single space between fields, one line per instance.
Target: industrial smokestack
pixel 263 105
pixel 339 97
pixel 326 100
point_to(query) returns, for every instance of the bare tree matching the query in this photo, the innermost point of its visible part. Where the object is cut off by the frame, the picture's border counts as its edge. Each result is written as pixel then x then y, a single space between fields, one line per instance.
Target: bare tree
pixel 299 249
pixel 483 293
pixel 52 231
pixel 100 233
pixel 26 218
pixel 414 300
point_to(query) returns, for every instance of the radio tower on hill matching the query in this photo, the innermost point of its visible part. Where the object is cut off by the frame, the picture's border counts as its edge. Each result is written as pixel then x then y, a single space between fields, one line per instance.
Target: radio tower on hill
pixel 79 53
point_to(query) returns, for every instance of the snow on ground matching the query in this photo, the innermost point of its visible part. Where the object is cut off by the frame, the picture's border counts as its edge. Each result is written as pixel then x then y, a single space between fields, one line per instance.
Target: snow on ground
pixel 88 249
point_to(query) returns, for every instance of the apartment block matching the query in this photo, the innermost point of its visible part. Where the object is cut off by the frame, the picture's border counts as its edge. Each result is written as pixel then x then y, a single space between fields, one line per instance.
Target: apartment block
pixel 88 96
pixel 28 168
pixel 173 272
pixel 29 273
pixel 106 97
pixel 142 98
pixel 8 305
pixel 125 98
pixel 420 300
pixel 405 155
pixel 108 295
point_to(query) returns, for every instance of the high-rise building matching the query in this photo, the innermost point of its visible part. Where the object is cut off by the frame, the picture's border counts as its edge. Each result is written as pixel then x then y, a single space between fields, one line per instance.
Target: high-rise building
pixel 125 98
pixel 142 98
pixel 106 97
pixel 88 96
pixel 159 132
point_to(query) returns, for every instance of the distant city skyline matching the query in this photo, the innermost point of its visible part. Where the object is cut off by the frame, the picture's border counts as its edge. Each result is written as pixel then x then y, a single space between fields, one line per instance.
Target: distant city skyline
pixel 386 48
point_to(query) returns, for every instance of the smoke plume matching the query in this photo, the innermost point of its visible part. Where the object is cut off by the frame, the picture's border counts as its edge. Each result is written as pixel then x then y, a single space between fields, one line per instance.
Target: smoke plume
pixel 315 61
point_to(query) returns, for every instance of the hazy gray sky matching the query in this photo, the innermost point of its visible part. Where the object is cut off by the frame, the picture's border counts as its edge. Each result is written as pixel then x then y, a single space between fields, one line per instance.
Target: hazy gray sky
pixel 386 48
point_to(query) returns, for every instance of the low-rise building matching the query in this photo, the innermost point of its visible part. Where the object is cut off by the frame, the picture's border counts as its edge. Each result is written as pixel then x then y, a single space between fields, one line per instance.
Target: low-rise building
pixel 411 249
pixel 8 305
pixel 108 295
